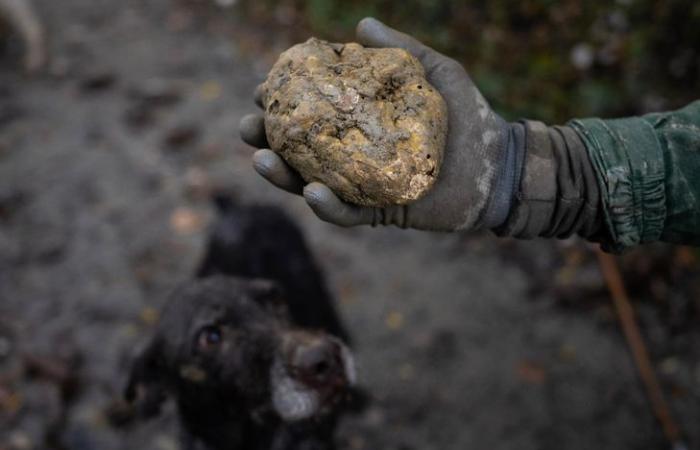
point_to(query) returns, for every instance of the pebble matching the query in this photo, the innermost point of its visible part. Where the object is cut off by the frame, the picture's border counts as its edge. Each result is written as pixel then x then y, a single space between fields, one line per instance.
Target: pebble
pixel 394 320
pixel 186 221
pixel 407 371
pixel 670 366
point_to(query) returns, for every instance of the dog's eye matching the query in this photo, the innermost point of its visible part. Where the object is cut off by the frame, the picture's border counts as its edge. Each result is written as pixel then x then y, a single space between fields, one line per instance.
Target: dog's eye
pixel 209 337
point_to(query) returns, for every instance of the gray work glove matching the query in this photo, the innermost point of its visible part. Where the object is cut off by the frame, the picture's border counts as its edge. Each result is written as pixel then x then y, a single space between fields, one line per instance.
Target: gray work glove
pixel 481 164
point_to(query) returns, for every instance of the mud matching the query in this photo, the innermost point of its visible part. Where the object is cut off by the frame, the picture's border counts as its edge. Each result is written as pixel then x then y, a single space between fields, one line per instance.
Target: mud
pixel 363 121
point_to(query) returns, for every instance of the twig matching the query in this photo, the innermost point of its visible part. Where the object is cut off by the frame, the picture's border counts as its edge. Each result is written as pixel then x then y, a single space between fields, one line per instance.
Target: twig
pixel 625 312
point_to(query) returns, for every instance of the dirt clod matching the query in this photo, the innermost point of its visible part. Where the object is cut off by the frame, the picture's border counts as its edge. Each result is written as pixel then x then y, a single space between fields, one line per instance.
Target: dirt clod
pixel 363 121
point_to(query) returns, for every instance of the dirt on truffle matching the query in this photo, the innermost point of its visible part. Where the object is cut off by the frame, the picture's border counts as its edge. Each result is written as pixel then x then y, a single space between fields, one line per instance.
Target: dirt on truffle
pixel 363 121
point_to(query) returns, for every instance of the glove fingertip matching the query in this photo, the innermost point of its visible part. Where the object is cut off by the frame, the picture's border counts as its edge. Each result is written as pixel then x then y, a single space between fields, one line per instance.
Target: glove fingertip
pixel 271 167
pixel 329 208
pixel 263 161
pixel 365 25
pixel 318 194
pixel 371 32
pixel 258 95
pixel 252 129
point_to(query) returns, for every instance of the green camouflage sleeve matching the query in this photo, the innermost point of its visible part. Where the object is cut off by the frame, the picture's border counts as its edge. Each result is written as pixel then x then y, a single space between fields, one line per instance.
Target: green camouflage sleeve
pixel 648 171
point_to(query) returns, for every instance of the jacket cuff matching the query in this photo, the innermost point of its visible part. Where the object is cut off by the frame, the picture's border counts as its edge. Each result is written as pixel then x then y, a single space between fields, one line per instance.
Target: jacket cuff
pixel 630 169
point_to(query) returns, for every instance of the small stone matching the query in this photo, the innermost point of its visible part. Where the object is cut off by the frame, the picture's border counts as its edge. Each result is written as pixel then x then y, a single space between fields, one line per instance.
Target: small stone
pixel 181 137
pixel 363 121
pixel 210 91
pixel 186 221
pixel 407 371
pixel 567 353
pixel 531 372
pixel 149 315
pixel 670 366
pixel 197 183
pixel 394 320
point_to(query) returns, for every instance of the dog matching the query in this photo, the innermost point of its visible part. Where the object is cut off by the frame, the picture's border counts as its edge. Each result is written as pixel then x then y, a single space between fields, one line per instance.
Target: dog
pixel 21 18
pixel 263 242
pixel 251 350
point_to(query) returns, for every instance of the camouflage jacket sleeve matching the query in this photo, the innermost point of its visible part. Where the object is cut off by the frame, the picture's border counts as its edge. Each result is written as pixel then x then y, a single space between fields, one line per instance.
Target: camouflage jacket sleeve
pixel 648 171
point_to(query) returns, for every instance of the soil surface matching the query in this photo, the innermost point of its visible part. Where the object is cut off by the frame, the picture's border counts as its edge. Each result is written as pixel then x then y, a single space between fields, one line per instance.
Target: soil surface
pixel 464 341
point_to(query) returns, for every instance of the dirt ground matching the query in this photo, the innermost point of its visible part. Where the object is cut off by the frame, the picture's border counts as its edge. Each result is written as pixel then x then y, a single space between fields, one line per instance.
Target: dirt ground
pixel 464 341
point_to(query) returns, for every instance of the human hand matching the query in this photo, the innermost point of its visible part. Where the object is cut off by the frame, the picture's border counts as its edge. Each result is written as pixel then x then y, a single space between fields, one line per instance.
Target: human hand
pixel 478 174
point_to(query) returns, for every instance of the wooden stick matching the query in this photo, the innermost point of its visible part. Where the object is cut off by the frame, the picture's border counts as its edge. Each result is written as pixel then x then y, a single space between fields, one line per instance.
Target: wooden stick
pixel 625 312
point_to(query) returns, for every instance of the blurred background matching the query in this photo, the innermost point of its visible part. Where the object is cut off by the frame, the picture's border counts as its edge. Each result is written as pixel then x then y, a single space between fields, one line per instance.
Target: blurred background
pixel 554 60
pixel 110 151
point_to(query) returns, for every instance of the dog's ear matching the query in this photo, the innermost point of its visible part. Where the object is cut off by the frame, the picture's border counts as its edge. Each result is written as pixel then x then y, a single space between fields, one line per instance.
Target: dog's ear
pixel 146 386
pixel 269 294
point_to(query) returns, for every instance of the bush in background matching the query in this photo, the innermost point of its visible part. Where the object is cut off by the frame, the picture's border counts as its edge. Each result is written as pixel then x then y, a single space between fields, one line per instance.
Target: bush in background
pixel 543 59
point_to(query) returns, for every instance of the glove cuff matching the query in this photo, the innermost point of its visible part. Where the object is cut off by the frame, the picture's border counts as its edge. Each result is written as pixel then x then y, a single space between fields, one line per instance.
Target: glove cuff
pixel 558 193
pixel 507 177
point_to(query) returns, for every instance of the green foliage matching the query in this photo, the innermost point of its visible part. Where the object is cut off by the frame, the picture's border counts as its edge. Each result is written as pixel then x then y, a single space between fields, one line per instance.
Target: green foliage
pixel 633 55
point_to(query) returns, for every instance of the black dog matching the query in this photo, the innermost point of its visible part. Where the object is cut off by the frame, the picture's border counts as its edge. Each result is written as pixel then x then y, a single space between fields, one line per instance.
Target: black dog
pixel 262 242
pixel 252 363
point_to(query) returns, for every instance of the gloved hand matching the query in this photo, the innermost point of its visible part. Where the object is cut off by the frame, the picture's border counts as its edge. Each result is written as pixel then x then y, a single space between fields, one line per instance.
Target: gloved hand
pixel 480 169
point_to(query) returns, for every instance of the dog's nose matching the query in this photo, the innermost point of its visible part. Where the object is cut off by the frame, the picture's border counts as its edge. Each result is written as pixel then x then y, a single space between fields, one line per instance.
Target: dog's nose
pixel 319 362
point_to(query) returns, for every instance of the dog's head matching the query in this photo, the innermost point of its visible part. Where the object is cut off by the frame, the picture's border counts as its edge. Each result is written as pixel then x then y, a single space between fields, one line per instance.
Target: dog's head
pixel 227 343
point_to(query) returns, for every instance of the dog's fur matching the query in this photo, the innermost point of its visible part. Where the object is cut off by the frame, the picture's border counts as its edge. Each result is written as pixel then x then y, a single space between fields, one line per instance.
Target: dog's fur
pixel 262 242
pixel 252 363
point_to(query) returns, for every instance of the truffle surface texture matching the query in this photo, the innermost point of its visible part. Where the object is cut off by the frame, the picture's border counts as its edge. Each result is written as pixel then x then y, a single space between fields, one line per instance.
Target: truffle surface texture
pixel 363 121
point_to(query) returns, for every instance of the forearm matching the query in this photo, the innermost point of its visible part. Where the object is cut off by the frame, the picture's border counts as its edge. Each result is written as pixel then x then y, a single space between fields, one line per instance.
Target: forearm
pixel 621 182
pixel 649 174
pixel 618 182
